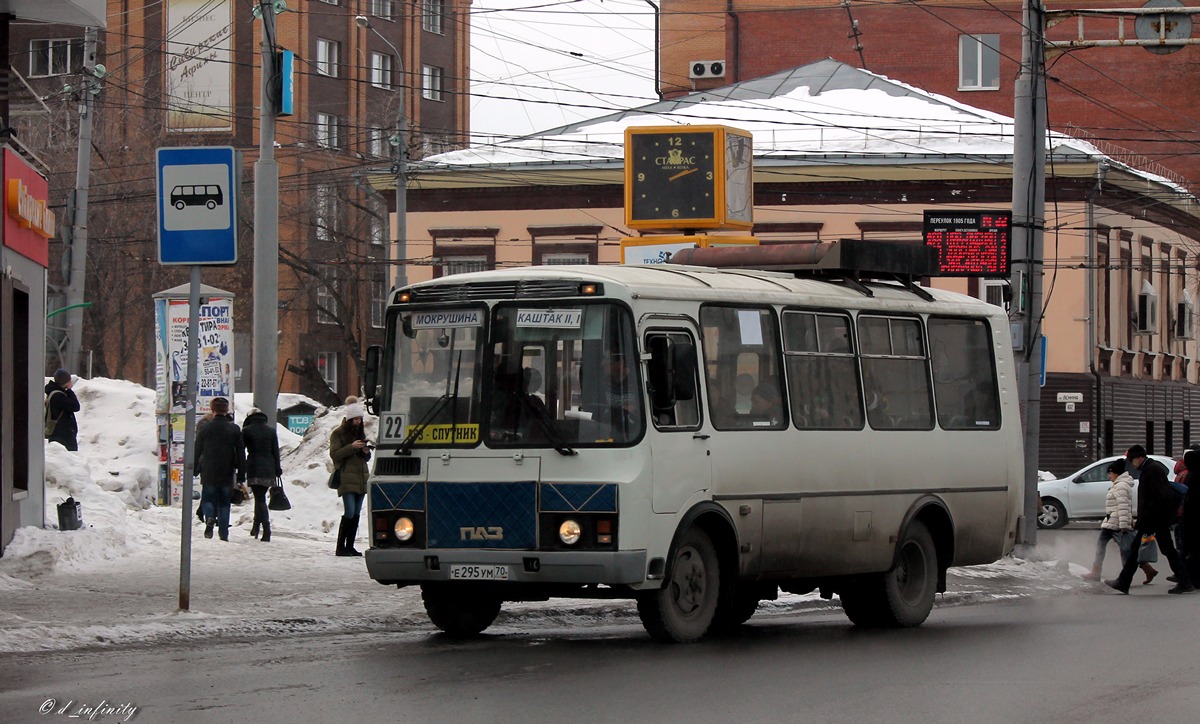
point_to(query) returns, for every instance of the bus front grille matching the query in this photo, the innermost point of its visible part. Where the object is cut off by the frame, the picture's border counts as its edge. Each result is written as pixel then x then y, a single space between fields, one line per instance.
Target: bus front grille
pixel 497 516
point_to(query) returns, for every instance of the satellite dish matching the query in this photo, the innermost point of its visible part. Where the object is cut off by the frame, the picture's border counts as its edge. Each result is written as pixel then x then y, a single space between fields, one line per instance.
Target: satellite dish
pixel 1146 27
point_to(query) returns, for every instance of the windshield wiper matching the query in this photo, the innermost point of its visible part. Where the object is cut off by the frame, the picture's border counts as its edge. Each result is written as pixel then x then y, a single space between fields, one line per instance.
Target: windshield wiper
pixel 447 398
pixel 542 416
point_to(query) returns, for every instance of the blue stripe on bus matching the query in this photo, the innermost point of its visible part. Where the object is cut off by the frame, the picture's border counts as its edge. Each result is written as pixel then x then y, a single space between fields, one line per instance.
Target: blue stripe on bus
pixel 579 497
pixel 398 496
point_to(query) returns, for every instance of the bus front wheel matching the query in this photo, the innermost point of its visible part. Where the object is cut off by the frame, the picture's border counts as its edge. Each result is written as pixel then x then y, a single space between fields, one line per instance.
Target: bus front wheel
pixel 902 596
pixel 682 610
pixel 461 613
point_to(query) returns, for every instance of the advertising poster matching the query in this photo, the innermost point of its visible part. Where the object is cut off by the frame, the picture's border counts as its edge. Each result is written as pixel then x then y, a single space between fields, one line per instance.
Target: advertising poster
pixel 199 65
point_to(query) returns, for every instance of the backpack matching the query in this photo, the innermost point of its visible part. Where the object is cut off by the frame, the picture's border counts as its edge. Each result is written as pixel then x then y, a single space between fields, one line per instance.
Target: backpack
pixel 49 421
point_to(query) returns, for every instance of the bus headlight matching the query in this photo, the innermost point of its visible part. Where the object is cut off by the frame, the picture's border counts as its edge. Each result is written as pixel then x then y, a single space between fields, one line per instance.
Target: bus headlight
pixel 569 532
pixel 403 529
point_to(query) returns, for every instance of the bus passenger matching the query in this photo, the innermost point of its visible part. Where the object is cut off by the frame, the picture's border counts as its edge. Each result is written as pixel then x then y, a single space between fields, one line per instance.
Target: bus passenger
pixel 765 403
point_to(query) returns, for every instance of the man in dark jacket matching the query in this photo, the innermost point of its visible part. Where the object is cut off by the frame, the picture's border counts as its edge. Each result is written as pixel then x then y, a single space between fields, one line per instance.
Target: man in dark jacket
pixel 63 404
pixel 220 459
pixel 1156 510
pixel 1191 517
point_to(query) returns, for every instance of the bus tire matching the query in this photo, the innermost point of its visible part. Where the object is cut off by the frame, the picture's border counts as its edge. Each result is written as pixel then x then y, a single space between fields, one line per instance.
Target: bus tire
pixel 683 610
pixel 740 608
pixel 902 596
pixel 461 613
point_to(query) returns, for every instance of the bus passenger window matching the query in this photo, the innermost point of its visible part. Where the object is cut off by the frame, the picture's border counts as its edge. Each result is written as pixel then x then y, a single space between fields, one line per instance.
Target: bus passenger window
pixel 964 374
pixel 742 354
pixel 822 371
pixel 895 373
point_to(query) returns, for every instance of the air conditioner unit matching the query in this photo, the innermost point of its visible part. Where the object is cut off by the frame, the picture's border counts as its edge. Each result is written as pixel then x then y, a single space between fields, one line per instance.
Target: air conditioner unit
pixel 706 69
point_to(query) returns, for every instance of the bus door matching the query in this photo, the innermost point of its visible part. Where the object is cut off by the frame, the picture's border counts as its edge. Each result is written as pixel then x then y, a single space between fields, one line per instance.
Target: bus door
pixel 680 454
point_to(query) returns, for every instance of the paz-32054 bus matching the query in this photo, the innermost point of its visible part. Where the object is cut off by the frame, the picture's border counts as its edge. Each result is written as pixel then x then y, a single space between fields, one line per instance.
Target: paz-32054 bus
pixel 691 438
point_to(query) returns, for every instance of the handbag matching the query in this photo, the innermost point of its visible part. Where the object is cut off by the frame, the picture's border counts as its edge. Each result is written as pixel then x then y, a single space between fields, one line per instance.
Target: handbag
pixel 1148 553
pixel 278 498
pixel 335 478
pixel 238 496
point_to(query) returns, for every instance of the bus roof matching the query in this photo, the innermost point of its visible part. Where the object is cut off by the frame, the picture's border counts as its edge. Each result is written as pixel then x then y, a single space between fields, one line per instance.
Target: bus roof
pixel 678 282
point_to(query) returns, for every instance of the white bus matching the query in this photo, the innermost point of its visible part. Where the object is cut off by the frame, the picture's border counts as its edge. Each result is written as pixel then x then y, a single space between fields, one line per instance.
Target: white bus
pixel 694 439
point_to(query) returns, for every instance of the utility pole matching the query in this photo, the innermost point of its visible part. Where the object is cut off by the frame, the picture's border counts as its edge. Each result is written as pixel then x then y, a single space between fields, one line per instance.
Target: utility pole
pixel 1028 225
pixel 266 232
pixel 77 281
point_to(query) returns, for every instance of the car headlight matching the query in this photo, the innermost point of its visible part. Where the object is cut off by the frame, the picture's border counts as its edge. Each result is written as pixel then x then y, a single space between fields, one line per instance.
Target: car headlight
pixel 403 529
pixel 569 532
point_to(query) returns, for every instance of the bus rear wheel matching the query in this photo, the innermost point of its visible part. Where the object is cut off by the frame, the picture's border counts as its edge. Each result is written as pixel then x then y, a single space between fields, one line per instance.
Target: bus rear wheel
pixel 902 596
pixel 461 612
pixel 683 610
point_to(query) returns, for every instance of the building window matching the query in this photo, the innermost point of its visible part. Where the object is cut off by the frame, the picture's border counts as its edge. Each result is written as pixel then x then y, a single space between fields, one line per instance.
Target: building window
pixel 431 82
pixel 378 142
pixel 327 366
pixel 382 9
pixel 463 264
pixel 327 307
pixel 978 62
pixel 328 52
pixel 381 70
pixel 330 2
pixel 54 57
pixel 326 216
pixel 327 130
pixel 550 259
pixel 432 13
pixel 378 303
pixel 378 221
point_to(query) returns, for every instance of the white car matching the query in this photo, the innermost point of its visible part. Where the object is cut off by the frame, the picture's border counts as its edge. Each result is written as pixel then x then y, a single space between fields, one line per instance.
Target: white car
pixel 1080 495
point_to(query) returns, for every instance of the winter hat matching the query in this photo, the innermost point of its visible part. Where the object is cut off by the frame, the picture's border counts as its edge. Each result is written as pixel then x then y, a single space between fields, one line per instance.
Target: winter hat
pixel 61 376
pixel 355 409
pixel 219 405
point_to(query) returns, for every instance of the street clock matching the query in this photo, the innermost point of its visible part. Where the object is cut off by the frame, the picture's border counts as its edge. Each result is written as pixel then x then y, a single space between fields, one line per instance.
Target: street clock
pixel 688 177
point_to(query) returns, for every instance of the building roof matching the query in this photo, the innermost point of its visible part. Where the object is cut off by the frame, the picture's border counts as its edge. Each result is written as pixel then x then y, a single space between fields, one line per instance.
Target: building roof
pixel 809 123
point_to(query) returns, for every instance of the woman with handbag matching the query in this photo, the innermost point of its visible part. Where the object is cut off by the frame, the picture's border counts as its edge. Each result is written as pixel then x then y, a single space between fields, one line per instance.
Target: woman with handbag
pixel 350 452
pixel 262 467
pixel 1118 523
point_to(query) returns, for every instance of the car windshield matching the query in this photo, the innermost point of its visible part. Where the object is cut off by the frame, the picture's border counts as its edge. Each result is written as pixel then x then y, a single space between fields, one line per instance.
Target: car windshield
pixel 563 377
pixel 436 364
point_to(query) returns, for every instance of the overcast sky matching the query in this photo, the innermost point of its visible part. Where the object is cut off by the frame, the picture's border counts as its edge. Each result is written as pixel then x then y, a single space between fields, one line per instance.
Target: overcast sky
pixel 536 65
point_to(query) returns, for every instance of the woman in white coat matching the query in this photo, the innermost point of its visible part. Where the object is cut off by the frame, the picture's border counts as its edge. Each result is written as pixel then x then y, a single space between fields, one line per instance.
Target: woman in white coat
pixel 1118 504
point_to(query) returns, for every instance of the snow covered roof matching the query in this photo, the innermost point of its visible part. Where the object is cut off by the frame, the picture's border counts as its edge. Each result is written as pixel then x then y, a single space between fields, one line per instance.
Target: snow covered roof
pixel 824 113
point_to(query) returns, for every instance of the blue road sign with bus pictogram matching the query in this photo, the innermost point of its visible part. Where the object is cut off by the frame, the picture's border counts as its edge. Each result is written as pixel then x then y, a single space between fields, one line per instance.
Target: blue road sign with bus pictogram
pixel 197 205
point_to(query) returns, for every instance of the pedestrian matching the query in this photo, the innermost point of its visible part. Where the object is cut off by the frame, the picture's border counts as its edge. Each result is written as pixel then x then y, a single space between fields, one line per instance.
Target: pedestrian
pixel 350 451
pixel 62 404
pixel 1190 521
pixel 1156 512
pixel 262 467
pixel 1118 521
pixel 220 461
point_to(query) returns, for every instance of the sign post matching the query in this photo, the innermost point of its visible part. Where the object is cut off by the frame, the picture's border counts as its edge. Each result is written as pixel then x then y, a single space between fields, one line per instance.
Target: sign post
pixel 197 226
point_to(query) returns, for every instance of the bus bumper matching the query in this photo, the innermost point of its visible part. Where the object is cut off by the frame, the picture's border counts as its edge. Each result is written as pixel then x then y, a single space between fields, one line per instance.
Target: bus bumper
pixel 405 566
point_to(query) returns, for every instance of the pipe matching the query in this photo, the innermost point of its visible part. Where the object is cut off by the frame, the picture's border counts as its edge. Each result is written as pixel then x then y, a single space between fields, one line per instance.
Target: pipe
pixel 1101 172
pixel 753 256
pixel 736 45
pixel 657 80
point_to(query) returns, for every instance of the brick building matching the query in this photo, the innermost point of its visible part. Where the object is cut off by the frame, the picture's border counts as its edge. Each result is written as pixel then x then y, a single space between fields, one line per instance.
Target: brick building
pixel 186 72
pixel 969 51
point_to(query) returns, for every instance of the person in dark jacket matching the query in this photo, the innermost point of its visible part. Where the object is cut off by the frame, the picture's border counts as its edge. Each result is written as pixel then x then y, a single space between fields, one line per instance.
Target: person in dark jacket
pixel 349 451
pixel 220 461
pixel 262 467
pixel 1156 512
pixel 63 405
pixel 1191 517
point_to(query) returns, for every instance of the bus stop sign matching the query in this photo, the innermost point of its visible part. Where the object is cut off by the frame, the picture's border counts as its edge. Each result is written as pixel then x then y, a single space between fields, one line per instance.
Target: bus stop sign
pixel 197 205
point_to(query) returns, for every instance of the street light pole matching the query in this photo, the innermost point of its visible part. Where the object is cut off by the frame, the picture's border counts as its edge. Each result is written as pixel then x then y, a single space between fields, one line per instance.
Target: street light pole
pixel 399 251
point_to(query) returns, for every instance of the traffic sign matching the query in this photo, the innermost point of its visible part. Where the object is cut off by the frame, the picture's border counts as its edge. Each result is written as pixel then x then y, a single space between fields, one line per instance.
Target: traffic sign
pixel 197 205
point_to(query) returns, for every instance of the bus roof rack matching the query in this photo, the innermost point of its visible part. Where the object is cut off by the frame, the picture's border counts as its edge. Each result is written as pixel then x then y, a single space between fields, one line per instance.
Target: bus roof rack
pixel 854 260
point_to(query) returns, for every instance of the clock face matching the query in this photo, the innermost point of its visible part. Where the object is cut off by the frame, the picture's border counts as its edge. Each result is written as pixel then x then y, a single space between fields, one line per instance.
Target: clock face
pixel 673 176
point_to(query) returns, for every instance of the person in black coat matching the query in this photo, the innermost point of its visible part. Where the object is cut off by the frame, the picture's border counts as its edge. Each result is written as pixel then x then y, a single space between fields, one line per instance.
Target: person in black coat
pixel 262 467
pixel 1156 513
pixel 1191 516
pixel 220 461
pixel 63 405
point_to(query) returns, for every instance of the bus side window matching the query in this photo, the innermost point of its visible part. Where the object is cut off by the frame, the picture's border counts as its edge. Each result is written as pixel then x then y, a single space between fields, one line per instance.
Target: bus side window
pixel 895 373
pixel 964 375
pixel 683 413
pixel 741 355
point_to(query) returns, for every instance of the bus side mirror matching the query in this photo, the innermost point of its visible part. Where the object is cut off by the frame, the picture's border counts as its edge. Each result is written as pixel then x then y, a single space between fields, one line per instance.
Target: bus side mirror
pixel 683 358
pixel 660 373
pixel 371 375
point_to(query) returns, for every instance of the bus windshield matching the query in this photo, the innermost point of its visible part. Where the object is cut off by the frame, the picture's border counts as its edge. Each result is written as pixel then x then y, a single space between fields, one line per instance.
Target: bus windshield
pixel 435 378
pixel 563 377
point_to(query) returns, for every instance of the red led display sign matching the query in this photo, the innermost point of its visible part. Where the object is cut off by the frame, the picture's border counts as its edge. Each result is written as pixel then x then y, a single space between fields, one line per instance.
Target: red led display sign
pixel 970 243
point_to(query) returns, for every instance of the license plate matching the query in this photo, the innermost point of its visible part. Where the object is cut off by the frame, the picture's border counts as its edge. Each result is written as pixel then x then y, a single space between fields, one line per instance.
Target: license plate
pixel 467 572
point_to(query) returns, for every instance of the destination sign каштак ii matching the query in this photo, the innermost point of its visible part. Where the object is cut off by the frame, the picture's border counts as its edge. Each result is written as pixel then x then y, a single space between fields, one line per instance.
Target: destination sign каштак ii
pixel 970 243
